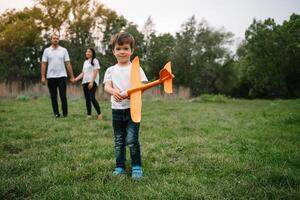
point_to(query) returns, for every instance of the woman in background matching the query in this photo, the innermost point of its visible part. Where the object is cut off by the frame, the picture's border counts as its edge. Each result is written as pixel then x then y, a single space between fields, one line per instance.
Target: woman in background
pixel 90 81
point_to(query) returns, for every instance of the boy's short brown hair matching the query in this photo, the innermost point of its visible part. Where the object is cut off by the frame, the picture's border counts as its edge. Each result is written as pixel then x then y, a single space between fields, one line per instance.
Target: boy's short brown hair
pixel 122 38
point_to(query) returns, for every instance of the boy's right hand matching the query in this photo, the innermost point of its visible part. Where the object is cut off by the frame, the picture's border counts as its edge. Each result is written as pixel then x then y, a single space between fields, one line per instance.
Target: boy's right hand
pixel 117 95
pixel 124 94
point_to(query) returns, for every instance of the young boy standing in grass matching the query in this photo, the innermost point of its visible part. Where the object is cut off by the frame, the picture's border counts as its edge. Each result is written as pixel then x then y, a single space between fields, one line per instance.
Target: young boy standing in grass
pixel 117 82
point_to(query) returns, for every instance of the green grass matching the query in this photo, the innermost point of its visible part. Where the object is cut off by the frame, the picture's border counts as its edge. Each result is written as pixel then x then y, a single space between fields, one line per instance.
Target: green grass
pixel 191 149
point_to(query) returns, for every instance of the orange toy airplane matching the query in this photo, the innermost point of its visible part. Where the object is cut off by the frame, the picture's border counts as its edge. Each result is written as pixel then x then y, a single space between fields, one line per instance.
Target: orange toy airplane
pixel 135 92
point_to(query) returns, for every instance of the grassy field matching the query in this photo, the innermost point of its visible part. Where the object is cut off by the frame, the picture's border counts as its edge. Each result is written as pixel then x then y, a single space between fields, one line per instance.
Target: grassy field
pixel 205 148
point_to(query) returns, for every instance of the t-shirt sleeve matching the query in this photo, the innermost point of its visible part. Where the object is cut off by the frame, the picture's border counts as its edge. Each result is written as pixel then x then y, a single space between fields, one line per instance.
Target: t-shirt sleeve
pixel 107 75
pixel 143 76
pixel 67 58
pixel 45 56
pixel 96 64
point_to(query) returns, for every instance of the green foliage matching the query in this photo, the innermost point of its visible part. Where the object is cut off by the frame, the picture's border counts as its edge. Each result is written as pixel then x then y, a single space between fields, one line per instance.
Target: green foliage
pixel 19 50
pixel 55 14
pixel 291 31
pixel 82 23
pixel 112 24
pixel 199 56
pixel 139 49
pixel 269 58
pixel 159 51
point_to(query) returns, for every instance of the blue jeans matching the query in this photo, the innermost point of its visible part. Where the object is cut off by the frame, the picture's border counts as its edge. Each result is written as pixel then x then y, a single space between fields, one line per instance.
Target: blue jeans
pixel 126 133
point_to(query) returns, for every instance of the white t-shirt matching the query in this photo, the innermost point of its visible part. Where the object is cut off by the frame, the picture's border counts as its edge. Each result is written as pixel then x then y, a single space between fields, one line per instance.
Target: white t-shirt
pixel 56 58
pixel 88 71
pixel 120 77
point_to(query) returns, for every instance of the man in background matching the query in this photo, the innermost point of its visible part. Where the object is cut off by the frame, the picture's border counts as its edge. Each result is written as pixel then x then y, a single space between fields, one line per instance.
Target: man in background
pixel 56 59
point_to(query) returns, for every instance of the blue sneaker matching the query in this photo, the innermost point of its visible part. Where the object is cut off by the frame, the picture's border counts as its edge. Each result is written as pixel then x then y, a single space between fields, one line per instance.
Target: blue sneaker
pixel 118 171
pixel 137 172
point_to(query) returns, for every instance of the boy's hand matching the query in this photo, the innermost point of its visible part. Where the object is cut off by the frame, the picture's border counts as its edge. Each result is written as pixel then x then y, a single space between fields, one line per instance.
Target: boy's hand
pixel 117 96
pixel 124 94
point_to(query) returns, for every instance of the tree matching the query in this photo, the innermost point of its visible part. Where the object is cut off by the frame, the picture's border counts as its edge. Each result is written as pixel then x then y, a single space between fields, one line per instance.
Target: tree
pixel 158 53
pixel 291 30
pixel 183 49
pixel 139 49
pixel 79 33
pixel 271 59
pixel 199 56
pixel 212 58
pixel 56 13
pixel 19 50
pixel 148 28
pixel 111 24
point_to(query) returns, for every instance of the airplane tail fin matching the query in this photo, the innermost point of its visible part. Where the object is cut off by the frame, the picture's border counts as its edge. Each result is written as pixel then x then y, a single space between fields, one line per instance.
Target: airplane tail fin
pixel 166 73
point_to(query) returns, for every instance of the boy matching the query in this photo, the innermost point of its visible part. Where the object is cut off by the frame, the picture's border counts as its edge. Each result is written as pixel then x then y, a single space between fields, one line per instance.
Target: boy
pixel 117 82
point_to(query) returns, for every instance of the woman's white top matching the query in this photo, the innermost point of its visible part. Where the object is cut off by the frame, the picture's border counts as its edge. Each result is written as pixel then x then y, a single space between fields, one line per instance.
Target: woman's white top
pixel 88 71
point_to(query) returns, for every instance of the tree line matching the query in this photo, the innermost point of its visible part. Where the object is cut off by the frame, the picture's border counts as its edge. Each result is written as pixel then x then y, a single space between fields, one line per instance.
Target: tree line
pixel 265 65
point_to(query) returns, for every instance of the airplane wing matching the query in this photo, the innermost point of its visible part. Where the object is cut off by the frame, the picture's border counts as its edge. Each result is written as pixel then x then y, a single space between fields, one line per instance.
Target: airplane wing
pixel 135 97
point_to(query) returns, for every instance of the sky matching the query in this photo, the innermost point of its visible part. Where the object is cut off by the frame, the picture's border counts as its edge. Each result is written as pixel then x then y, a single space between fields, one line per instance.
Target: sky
pixel 168 15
